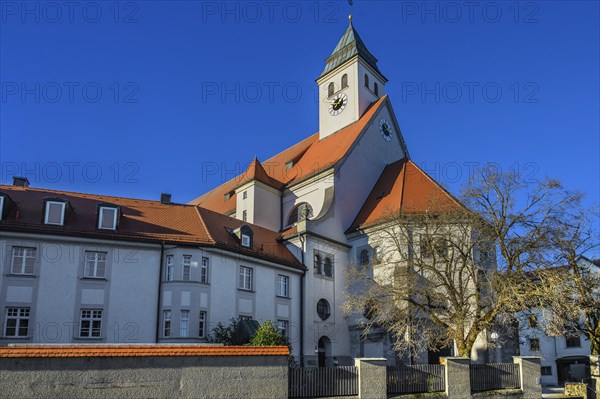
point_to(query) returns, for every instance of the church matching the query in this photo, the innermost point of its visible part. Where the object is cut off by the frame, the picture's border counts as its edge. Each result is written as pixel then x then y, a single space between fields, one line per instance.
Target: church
pixel 271 244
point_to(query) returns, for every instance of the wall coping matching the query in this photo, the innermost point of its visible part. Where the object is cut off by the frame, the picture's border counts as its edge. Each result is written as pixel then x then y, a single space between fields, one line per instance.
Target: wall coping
pixel 36 351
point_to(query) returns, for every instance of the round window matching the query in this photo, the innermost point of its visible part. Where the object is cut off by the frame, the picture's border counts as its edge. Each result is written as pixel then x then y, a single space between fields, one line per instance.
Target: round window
pixel 323 309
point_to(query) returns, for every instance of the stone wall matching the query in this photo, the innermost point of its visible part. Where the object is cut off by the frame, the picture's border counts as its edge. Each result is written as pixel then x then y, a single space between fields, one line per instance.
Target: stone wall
pixel 151 372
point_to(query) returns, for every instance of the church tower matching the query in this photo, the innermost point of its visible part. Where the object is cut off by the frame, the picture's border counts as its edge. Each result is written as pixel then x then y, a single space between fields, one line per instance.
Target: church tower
pixel 349 83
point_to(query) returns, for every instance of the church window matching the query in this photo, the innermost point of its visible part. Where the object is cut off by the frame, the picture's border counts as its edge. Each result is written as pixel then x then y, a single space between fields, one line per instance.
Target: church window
pixel 300 212
pixel 366 81
pixel 376 89
pixel 330 89
pixel 364 257
pixel 328 267
pixel 344 81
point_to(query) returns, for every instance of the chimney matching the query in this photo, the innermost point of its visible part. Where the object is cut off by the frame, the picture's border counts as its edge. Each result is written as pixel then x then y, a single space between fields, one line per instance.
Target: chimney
pixel 20 181
pixel 165 198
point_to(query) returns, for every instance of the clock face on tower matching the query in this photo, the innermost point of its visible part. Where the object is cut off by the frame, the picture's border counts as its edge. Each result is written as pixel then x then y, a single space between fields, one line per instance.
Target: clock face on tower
pixel 338 104
pixel 386 130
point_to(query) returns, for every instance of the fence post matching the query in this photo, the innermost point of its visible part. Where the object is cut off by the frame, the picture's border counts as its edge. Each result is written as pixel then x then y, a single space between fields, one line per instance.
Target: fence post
pixel 372 378
pixel 458 377
pixel 530 373
pixel 595 374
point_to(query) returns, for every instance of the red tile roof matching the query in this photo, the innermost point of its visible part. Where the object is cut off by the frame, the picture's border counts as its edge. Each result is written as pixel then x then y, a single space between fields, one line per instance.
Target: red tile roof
pixel 257 172
pixel 309 157
pixel 140 220
pixel 21 351
pixel 403 187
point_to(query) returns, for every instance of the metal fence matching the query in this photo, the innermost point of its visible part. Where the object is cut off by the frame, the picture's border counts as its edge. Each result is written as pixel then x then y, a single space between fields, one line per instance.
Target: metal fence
pixel 313 382
pixel 416 379
pixel 487 377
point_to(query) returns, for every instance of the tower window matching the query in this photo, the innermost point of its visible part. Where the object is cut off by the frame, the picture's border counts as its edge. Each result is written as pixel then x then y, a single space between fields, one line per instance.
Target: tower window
pixel 344 81
pixel 366 81
pixel 376 89
pixel 300 212
pixel 330 89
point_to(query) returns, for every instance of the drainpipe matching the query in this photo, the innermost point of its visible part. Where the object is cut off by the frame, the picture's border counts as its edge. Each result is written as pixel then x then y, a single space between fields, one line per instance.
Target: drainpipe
pixel 302 242
pixel 158 313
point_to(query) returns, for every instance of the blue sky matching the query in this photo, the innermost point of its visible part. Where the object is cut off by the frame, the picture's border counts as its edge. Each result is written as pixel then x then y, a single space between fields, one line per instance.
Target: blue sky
pixel 142 97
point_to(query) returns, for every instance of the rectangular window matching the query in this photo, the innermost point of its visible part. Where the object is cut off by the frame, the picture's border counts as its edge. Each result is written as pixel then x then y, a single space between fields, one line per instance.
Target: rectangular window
pixel 202 325
pixel 187 267
pixel 283 285
pixel 244 217
pixel 95 265
pixel 534 344
pixel 90 323
pixel 246 278
pixel 184 323
pixel 204 270
pixel 573 341
pixel 23 260
pixel 1 206
pixel 17 322
pixel 532 320
pixel 546 370
pixel 166 323
pixel 170 266
pixel 55 213
pixel 245 239
pixel 245 195
pixel 283 326
pixel 107 218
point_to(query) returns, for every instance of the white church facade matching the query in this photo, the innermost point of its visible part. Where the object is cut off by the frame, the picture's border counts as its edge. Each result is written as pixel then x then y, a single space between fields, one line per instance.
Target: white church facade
pixel 270 244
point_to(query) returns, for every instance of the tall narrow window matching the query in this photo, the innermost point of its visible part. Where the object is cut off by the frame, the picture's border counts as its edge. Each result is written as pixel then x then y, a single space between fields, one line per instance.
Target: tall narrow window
pixel 23 260
pixel 1 206
pixel 90 324
pixel 107 218
pixel 328 267
pixel 184 323
pixel 364 258
pixel 244 215
pixel 376 89
pixel 283 283
pixel 366 81
pixel 95 265
pixel 170 267
pixel 55 213
pixel 187 267
pixel 344 81
pixel 245 195
pixel 202 325
pixel 204 270
pixel 245 278
pixel 166 323
pixel 318 264
pixel 17 322
pixel 330 89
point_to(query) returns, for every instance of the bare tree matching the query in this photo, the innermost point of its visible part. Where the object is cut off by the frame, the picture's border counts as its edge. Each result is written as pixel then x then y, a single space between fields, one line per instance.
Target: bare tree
pixel 448 273
pixel 576 281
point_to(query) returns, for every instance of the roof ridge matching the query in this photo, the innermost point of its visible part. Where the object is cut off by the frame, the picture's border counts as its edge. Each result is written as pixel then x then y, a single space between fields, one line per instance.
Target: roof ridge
pixel 49 190
pixel 204 224
pixel 438 185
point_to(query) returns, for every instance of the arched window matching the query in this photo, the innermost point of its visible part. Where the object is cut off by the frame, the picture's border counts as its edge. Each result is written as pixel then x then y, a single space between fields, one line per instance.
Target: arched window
pixel 366 80
pixel 300 212
pixel 364 257
pixel 318 263
pixel 328 267
pixel 376 89
pixel 330 89
pixel 344 81
pixel 376 255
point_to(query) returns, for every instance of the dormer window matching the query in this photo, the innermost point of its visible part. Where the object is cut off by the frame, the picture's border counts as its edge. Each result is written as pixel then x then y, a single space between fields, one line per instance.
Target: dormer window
pixel 107 217
pixel 55 213
pixel 246 240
